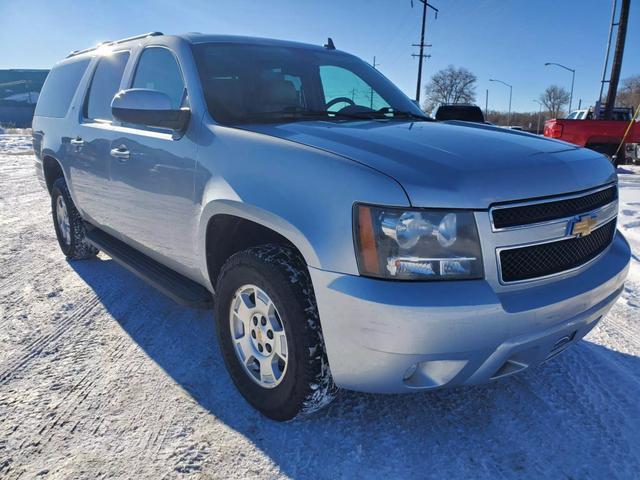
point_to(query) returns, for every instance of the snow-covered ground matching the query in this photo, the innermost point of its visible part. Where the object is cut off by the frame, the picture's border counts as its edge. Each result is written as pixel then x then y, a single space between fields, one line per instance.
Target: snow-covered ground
pixel 103 377
pixel 15 144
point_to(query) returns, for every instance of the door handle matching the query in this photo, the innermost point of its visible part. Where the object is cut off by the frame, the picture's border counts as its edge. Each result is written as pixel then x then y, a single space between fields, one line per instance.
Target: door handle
pixel 78 142
pixel 120 153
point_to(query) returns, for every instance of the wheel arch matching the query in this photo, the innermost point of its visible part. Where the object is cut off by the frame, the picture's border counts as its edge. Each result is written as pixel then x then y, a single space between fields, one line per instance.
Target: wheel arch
pixel 229 227
pixel 52 170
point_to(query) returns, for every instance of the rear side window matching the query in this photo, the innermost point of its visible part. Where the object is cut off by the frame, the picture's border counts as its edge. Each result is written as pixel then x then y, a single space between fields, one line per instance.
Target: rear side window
pixel 159 70
pixel 104 86
pixel 59 87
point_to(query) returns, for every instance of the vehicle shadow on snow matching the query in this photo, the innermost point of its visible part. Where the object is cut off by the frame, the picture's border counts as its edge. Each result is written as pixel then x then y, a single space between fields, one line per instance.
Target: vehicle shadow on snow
pixel 576 417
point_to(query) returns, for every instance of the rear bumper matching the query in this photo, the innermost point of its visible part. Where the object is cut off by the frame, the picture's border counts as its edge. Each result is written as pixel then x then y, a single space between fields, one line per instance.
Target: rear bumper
pixel 388 337
pixel 40 172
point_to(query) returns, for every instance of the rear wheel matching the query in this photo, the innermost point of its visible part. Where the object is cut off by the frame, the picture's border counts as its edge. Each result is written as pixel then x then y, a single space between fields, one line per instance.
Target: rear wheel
pixel 269 332
pixel 69 226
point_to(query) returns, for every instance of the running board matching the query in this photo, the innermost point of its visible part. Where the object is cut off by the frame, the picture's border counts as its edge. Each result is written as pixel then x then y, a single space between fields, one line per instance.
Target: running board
pixel 174 285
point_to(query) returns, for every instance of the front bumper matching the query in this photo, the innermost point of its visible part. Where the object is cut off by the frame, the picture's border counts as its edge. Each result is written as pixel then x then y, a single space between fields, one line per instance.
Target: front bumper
pixel 390 336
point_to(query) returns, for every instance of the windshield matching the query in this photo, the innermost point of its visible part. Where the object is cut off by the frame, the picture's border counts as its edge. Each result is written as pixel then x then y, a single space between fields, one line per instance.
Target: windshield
pixel 264 84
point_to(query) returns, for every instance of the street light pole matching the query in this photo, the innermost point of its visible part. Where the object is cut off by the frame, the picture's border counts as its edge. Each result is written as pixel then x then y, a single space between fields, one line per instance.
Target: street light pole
pixel 486 105
pixel 510 94
pixel 509 116
pixel 573 78
pixel 539 115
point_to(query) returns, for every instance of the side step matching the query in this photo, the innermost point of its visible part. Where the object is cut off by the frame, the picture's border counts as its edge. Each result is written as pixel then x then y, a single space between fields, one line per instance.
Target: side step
pixel 177 287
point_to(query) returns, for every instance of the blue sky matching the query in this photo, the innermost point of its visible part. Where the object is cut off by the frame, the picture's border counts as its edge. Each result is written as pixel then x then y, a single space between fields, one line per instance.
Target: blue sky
pixel 505 39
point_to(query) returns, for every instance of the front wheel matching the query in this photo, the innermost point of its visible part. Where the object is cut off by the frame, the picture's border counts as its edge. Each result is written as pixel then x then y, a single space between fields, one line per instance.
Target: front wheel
pixel 68 223
pixel 269 332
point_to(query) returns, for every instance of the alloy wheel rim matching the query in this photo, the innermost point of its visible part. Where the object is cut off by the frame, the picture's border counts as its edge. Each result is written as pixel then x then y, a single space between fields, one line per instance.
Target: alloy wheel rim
pixel 258 336
pixel 62 216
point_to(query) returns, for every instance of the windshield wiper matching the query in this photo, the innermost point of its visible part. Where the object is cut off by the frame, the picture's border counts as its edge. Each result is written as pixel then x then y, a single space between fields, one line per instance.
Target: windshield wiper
pixel 404 114
pixel 301 113
pixel 291 113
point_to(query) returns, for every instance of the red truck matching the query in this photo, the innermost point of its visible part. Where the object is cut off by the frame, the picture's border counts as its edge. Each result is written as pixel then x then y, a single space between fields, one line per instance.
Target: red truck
pixel 603 136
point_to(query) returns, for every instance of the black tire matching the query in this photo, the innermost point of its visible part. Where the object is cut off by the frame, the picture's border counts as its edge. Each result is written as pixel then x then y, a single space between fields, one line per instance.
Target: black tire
pixel 77 247
pixel 282 274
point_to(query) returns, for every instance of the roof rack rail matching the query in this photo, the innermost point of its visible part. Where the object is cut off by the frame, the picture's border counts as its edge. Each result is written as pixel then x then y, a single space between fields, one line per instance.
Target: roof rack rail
pixel 114 42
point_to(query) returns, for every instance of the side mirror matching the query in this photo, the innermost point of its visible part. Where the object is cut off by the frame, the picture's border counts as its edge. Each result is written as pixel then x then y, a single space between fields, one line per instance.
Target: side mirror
pixel 143 106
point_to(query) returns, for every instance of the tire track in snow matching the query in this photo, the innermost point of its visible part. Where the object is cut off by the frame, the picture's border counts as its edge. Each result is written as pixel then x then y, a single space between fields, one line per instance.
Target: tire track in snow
pixel 36 347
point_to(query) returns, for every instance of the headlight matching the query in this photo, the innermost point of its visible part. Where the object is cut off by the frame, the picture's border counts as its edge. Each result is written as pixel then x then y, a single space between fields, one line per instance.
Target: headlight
pixel 417 244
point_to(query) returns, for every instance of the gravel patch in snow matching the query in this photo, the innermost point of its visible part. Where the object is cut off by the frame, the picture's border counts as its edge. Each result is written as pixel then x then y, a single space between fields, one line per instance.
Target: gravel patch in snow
pixel 103 377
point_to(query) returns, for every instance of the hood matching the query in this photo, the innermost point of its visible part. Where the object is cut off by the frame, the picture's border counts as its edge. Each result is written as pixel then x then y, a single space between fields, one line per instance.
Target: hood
pixel 456 164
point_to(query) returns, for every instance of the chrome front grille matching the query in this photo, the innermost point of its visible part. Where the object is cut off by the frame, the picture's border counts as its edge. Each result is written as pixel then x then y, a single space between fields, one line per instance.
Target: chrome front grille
pixel 506 216
pixel 538 239
pixel 554 257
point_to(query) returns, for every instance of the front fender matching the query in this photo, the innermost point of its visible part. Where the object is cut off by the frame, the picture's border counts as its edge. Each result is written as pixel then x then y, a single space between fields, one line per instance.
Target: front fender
pixel 303 193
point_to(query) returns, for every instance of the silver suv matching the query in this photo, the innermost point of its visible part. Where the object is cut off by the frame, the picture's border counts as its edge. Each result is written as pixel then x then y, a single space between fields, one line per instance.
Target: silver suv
pixel 344 238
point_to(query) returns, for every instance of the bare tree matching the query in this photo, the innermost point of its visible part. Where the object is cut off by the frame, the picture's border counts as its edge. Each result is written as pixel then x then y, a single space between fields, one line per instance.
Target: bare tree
pixel 554 98
pixel 629 94
pixel 450 85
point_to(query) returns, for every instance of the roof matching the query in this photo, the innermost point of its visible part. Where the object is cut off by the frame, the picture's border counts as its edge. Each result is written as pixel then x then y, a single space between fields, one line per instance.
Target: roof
pixel 196 38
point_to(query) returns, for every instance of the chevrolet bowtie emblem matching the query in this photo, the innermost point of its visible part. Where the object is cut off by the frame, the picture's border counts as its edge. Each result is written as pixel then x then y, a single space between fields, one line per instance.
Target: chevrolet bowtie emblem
pixel 583 226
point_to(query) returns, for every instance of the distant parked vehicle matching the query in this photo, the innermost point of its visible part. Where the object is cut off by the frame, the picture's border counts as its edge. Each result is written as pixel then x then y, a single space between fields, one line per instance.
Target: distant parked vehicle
pixel 619 113
pixel 585 129
pixel 632 153
pixel 460 111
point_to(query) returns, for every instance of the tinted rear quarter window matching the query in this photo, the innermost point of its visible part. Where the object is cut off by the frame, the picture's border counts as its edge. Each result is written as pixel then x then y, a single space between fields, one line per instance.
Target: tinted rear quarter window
pixel 104 85
pixel 59 87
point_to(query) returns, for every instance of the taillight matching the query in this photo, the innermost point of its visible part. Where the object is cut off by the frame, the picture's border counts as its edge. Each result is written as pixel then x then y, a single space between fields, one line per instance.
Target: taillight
pixel 556 130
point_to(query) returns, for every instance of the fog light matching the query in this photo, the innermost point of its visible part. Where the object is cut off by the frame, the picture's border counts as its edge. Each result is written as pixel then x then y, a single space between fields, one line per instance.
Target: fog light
pixel 410 371
pixel 433 373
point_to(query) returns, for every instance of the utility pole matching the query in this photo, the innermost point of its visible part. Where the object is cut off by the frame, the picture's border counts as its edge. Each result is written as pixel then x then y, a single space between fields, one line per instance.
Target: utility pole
pixel 374 65
pixel 421 55
pixel 616 66
pixel 606 55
